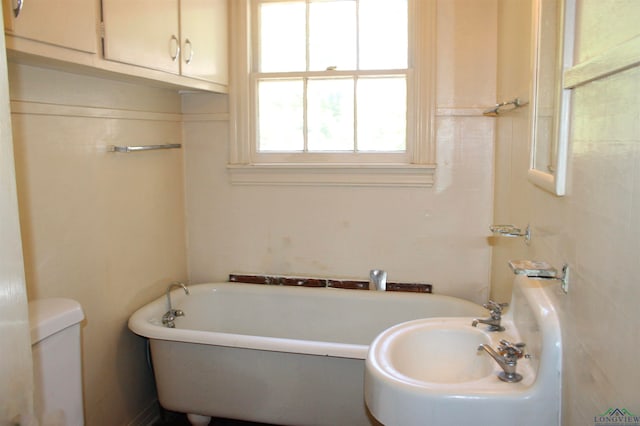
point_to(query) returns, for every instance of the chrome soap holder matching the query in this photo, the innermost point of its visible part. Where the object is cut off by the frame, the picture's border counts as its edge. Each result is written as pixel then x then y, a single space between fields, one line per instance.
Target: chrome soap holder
pixel 512 231
pixel 541 270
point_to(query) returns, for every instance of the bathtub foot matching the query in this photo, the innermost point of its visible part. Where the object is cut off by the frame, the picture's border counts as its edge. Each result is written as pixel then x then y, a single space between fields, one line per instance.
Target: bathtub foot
pixel 198 420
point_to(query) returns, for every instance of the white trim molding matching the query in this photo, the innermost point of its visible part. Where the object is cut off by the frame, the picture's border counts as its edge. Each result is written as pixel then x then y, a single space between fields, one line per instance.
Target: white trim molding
pixel 62 110
pixel 333 174
pixel 620 58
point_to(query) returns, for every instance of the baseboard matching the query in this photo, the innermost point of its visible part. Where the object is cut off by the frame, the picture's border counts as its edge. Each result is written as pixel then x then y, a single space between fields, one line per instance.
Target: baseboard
pixel 147 417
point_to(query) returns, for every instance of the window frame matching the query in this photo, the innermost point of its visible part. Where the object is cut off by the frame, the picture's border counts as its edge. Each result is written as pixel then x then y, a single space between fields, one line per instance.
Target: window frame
pixel 414 168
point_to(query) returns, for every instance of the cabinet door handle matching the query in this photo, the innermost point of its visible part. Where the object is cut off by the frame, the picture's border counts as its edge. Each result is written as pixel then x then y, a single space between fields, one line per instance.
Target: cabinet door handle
pixel 188 59
pixel 174 46
pixel 18 8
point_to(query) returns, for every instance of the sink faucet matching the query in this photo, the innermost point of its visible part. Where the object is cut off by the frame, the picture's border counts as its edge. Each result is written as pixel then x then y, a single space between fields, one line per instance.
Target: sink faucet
pixel 507 358
pixel 170 316
pixel 377 280
pixel 496 315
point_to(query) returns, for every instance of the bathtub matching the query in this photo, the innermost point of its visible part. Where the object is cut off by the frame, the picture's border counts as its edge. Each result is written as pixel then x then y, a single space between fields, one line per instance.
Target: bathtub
pixel 275 354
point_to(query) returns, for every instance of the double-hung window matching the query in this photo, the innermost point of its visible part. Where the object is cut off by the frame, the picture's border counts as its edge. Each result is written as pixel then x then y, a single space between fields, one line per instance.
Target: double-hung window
pixel 332 91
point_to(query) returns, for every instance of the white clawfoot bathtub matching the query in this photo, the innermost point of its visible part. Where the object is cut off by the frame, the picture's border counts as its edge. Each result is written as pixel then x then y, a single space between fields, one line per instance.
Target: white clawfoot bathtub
pixel 276 354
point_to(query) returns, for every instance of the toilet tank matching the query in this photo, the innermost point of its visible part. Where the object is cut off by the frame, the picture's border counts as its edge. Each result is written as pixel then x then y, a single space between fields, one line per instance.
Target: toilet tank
pixel 57 365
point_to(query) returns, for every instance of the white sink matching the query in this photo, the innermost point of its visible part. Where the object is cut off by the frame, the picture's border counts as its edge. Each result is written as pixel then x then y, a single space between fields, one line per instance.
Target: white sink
pixel 433 351
pixel 430 372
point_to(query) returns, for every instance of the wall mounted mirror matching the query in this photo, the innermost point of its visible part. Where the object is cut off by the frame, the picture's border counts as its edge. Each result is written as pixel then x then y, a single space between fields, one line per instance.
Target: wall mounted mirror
pixel 553 35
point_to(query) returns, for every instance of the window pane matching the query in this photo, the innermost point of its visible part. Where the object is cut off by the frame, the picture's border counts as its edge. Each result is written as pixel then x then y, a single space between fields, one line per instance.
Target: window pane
pixel 280 121
pixel 383 34
pixel 332 35
pixel 382 109
pixel 282 36
pixel 330 115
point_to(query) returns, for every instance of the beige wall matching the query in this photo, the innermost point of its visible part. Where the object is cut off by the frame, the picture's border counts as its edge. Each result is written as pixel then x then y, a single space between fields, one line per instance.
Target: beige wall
pixel 435 235
pixel 595 226
pixel 512 140
pixel 103 228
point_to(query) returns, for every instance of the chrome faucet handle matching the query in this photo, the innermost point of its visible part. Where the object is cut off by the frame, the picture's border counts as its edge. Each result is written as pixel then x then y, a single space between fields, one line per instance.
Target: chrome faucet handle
pixel 491 305
pixel 511 350
pixel 168 319
pixel 494 307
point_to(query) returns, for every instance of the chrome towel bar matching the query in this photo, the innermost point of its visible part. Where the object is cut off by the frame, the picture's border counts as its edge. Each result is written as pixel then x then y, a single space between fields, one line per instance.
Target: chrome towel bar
pixel 114 148
pixel 495 111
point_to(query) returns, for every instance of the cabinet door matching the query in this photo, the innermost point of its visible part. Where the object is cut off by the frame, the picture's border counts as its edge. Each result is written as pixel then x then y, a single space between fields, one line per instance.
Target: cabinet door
pixel 66 23
pixel 143 33
pixel 204 29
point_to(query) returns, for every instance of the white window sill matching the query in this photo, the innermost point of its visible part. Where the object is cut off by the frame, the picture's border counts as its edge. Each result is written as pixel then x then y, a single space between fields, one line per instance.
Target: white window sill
pixel 401 175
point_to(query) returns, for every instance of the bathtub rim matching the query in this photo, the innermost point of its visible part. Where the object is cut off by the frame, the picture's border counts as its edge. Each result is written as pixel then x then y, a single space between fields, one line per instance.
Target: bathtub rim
pixel 146 321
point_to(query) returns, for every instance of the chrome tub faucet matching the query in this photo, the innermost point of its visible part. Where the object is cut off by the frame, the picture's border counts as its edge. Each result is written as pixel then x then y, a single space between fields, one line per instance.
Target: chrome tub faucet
pixel 170 316
pixel 377 280
pixel 493 322
pixel 507 358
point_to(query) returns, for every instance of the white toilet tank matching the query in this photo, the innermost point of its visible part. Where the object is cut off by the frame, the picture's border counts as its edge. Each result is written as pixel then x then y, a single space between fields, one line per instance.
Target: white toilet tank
pixel 57 364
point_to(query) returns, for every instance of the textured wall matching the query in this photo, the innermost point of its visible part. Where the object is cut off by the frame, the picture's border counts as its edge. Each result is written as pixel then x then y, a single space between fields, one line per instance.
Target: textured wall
pixel 435 235
pixel 595 226
pixel 103 228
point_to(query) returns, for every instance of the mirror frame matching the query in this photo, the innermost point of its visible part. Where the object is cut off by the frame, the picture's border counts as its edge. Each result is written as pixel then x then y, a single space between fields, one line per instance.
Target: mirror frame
pixel 553 181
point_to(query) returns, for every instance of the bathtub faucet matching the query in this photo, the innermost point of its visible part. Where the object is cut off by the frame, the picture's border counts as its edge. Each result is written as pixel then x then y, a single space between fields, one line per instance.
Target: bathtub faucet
pixel 496 315
pixel 507 358
pixel 170 316
pixel 377 280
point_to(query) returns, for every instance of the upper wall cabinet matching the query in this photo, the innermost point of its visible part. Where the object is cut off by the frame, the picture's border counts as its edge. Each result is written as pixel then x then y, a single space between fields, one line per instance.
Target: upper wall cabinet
pixel 205 39
pixel 142 32
pixel 187 37
pixel 66 23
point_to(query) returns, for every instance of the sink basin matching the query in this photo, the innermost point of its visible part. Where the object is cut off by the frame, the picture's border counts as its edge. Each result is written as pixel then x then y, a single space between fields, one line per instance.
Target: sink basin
pixel 430 371
pixel 431 351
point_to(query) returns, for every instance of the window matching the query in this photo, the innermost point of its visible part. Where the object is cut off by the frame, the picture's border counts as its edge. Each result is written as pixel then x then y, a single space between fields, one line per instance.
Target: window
pixel 332 91
pixel 331 81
